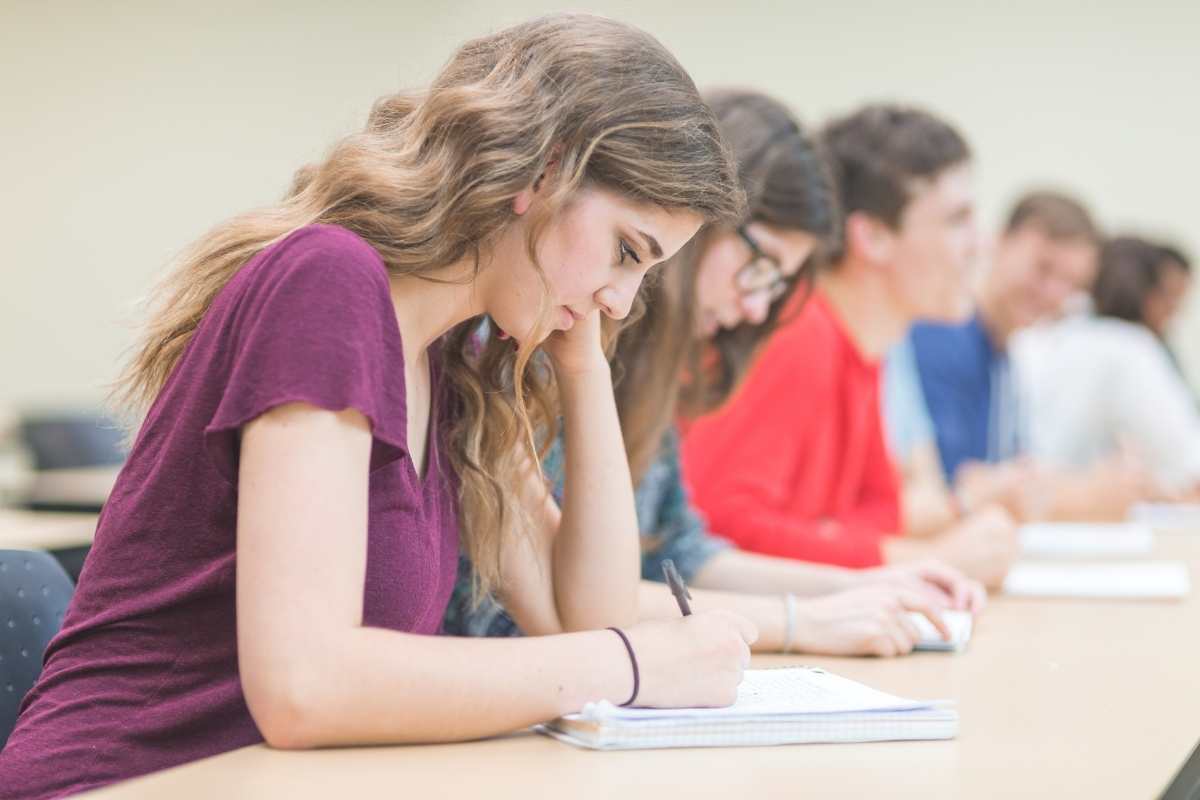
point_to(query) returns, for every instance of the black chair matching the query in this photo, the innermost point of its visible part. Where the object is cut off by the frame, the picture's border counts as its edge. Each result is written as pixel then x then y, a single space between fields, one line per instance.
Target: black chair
pixel 34 593
pixel 70 440
pixel 1186 783
pixel 67 440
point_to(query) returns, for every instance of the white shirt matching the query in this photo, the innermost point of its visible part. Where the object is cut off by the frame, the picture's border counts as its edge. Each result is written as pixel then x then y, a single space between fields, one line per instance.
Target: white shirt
pixel 1095 383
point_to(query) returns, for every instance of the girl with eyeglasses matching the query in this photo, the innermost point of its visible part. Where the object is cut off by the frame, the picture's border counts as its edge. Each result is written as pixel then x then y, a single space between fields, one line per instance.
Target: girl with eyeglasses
pixel 699 324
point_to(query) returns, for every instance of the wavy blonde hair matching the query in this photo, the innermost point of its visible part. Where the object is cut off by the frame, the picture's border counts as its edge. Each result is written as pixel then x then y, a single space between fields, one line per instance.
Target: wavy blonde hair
pixel 430 182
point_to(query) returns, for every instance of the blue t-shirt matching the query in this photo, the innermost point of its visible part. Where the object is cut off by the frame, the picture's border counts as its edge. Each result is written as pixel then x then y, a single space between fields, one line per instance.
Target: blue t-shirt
pixel 969 392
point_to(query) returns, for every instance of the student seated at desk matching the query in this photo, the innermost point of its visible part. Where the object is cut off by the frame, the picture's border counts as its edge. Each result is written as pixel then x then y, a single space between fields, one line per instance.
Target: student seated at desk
pixel 324 428
pixel 1105 382
pixel 718 298
pixel 795 464
pixel 969 395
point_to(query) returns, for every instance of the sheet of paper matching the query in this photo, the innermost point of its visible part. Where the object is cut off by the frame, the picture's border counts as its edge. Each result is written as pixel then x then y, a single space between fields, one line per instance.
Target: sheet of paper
pixel 1177 516
pixel 959 622
pixel 1132 579
pixel 769 692
pixel 1053 539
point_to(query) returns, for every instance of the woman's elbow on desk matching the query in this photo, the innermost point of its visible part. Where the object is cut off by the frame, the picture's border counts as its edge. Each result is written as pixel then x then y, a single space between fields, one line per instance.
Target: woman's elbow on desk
pixel 287 704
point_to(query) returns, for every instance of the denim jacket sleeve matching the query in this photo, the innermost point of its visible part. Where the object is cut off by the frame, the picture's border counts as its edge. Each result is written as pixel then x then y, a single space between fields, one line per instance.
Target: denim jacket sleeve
pixel 670 527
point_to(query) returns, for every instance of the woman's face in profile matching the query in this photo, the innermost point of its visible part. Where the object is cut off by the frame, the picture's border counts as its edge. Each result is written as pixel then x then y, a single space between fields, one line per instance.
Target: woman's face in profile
pixel 594 254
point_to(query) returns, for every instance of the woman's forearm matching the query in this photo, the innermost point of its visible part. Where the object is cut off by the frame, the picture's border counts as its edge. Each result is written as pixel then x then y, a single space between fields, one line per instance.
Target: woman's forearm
pixel 596 555
pixel 739 571
pixel 374 686
pixel 767 612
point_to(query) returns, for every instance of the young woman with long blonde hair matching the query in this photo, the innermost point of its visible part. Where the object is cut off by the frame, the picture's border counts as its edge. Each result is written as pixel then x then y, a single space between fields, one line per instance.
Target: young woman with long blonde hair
pixel 325 427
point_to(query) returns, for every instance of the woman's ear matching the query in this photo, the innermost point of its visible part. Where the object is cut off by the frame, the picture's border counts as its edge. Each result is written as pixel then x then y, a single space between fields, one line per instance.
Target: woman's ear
pixel 524 200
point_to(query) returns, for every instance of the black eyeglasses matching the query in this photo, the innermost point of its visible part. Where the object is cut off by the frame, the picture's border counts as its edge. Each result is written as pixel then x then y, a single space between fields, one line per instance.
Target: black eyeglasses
pixel 763 273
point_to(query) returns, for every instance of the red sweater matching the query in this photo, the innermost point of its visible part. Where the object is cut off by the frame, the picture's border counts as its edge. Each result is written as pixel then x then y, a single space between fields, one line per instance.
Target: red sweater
pixel 795 463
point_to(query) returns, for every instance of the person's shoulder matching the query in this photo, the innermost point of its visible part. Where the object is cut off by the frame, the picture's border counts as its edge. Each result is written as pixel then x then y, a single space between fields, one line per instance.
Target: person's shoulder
pixel 1100 339
pixel 1119 332
pixel 809 344
pixel 322 251
pixel 807 327
pixel 315 277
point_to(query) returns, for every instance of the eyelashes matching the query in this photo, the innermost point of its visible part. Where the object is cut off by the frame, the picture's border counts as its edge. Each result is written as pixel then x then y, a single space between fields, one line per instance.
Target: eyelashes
pixel 625 251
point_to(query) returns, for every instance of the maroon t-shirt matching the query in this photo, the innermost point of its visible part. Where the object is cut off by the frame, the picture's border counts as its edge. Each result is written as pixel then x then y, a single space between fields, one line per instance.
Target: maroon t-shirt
pixel 144 674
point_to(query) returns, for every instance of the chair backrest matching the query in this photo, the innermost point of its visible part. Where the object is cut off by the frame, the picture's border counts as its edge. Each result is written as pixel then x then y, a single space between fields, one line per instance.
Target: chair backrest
pixel 65 440
pixel 34 593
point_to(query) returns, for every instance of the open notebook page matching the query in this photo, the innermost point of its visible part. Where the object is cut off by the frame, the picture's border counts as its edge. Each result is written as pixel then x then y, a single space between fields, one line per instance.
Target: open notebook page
pixel 769 692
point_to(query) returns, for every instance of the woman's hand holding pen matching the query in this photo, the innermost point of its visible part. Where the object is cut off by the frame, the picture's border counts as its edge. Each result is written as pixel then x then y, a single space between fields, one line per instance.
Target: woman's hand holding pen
pixel 693 661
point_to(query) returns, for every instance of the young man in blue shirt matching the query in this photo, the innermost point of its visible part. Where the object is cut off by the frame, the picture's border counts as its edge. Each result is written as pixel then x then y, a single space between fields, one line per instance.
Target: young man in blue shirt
pixel 962 374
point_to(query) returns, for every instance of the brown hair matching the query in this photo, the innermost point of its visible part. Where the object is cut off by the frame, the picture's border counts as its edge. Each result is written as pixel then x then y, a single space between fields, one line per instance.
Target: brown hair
pixel 787 184
pixel 1057 215
pixel 430 182
pixel 880 151
pixel 1130 269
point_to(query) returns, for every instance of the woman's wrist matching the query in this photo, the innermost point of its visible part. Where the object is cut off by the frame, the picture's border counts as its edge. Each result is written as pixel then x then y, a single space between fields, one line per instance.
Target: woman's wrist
pixel 790 611
pixel 633 664
pixel 604 672
pixel 845 578
pixel 584 385
pixel 959 502
pixel 801 637
pixel 584 367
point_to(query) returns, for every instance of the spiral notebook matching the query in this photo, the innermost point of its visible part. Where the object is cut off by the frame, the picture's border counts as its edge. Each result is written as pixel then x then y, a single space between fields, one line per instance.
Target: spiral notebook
pixel 791 705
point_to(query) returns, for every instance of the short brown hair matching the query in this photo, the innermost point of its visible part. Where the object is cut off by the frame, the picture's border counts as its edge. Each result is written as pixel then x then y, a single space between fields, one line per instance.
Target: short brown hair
pixel 879 151
pixel 1055 214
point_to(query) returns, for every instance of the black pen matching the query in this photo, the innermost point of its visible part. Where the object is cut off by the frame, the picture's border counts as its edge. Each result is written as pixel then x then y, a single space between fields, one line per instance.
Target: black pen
pixel 678 588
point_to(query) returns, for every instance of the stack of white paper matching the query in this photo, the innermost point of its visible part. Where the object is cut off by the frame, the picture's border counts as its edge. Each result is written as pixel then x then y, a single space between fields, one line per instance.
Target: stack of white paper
pixel 1133 579
pixel 794 705
pixel 1182 516
pixel 1085 539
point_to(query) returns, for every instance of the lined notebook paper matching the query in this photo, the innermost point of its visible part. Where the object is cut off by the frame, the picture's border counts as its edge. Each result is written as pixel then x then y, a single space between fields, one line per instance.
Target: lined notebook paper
pixel 960 624
pixel 1132 579
pixel 1088 540
pixel 794 705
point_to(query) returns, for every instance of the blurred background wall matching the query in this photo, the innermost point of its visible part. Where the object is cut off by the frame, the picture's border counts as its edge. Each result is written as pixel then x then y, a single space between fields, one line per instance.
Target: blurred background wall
pixel 131 127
